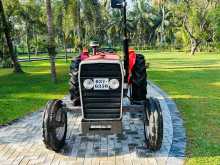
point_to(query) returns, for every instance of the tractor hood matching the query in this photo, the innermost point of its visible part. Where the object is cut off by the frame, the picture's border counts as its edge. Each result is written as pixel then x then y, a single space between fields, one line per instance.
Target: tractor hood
pixel 103 56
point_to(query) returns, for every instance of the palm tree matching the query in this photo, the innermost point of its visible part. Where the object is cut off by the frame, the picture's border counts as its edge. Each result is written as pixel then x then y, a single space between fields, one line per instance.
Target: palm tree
pixel 82 18
pixel 17 67
pixel 51 40
pixel 140 21
pixel 72 24
pixel 145 20
pixel 161 4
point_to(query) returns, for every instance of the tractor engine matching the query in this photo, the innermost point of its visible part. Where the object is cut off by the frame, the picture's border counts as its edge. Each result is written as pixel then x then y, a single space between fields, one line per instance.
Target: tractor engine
pixel 101 93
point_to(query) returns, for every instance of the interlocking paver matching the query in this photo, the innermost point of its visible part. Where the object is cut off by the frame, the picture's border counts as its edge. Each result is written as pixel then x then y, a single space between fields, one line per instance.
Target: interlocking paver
pixel 21 142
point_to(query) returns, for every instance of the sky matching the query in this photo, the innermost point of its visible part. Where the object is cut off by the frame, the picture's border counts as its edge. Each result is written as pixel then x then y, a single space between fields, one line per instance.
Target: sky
pixel 129 3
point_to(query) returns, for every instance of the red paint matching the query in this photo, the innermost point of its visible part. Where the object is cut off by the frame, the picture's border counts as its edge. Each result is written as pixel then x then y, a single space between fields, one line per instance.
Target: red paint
pixel 85 54
pixel 132 60
pixel 104 56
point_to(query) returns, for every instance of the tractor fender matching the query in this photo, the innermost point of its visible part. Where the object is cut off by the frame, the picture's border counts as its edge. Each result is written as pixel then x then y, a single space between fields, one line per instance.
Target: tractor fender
pixel 84 55
pixel 132 60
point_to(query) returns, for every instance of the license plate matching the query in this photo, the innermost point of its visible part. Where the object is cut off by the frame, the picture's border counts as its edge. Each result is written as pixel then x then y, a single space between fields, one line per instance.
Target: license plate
pixel 101 84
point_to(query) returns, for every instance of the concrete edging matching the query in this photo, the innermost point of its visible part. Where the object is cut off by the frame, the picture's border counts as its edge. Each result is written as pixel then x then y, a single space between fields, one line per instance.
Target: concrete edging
pixel 178 147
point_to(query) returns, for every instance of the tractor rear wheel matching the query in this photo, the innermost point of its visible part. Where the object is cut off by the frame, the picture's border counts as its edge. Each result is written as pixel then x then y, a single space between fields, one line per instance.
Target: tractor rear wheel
pixel 54 125
pixel 153 125
pixel 139 79
pixel 73 82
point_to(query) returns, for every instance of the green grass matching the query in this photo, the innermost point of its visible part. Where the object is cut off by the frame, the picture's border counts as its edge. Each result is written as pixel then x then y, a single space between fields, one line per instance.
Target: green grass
pixel 24 93
pixel 194 83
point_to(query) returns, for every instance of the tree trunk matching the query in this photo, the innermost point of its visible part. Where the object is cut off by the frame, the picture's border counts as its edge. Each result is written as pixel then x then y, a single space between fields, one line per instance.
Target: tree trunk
pixel 36 48
pixel 65 47
pixel 36 41
pixel 51 41
pixel 162 24
pixel 79 26
pixel 17 67
pixel 27 42
pixel 1 45
pixel 194 45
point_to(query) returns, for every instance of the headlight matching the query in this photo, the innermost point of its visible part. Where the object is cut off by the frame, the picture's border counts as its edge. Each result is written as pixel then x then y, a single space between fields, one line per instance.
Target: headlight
pixel 88 84
pixel 114 84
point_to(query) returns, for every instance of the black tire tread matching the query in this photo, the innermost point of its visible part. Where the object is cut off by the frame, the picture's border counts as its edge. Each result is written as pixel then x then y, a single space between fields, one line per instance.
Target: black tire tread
pixel 73 82
pixel 154 105
pixel 49 139
pixel 139 79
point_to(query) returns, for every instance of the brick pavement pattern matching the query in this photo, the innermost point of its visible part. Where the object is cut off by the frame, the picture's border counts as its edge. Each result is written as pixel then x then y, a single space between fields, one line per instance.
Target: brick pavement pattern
pixel 21 142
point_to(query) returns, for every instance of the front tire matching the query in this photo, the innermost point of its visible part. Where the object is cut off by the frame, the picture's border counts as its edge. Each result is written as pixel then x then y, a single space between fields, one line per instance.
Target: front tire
pixel 54 125
pixel 153 125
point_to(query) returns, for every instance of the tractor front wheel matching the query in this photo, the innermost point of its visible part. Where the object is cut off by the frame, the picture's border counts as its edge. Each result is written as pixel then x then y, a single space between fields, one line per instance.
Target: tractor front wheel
pixel 153 125
pixel 54 125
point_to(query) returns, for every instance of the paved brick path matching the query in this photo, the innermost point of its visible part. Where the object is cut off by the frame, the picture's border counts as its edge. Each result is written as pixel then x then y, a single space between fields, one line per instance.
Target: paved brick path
pixel 21 142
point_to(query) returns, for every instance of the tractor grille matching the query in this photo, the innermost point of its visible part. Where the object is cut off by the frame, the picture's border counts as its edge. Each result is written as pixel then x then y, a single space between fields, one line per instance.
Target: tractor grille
pixel 101 104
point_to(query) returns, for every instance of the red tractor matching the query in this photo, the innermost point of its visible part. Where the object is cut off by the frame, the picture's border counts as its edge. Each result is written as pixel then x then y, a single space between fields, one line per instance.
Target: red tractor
pixel 98 83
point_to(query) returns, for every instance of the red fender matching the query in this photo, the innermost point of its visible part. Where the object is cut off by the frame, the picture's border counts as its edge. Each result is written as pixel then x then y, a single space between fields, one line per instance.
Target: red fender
pixel 132 60
pixel 85 54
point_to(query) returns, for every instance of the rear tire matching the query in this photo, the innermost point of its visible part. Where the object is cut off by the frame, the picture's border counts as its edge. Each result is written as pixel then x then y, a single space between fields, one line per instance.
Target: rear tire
pixel 73 82
pixel 139 79
pixel 54 125
pixel 153 125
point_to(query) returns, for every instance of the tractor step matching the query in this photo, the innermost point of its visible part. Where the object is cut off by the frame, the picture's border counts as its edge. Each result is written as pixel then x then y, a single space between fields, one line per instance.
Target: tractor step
pixel 101 127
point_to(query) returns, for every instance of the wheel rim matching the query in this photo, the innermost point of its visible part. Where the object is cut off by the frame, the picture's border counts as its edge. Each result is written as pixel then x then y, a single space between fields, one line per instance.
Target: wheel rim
pixel 146 127
pixel 60 131
pixel 149 127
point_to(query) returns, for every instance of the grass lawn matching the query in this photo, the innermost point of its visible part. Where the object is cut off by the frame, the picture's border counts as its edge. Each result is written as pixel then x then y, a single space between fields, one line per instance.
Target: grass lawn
pixel 24 93
pixel 194 83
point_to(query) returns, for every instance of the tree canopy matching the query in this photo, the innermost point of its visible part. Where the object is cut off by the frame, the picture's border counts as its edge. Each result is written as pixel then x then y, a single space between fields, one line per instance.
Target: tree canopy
pixel 189 25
